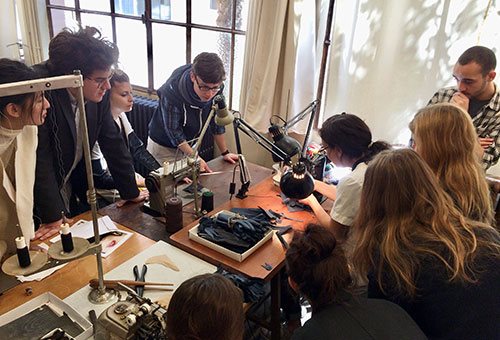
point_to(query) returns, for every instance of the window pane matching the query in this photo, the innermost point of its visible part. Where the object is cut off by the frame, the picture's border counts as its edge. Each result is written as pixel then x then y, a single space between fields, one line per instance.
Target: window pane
pixel 102 22
pixel 131 40
pixel 61 19
pixel 241 14
pixel 67 3
pixel 166 58
pixel 216 42
pixel 213 12
pixel 130 7
pixel 169 10
pixel 95 5
pixel 239 50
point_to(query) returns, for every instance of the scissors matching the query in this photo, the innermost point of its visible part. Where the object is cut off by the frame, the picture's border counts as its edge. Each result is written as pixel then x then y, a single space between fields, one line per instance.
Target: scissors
pixel 140 277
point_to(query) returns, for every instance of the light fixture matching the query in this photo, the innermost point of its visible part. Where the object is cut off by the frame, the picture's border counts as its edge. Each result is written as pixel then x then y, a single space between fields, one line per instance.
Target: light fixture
pixel 101 294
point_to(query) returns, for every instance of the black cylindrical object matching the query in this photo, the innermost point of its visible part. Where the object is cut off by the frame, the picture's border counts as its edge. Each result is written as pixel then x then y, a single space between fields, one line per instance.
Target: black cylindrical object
pixel 66 238
pixel 173 214
pixel 207 201
pixel 23 254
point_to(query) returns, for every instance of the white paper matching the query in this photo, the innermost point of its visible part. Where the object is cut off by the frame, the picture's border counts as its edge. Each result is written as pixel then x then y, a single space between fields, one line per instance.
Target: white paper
pixel 85 229
pixel 40 275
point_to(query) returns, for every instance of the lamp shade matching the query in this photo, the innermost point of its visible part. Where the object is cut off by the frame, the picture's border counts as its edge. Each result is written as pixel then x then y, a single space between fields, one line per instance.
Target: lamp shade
pixel 288 145
pixel 297 183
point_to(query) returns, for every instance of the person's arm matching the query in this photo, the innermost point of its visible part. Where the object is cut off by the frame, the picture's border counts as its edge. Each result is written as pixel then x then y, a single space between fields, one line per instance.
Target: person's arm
pixel 116 154
pixel 141 155
pixel 188 150
pixel 490 141
pixel 220 140
pixel 324 219
pixel 325 189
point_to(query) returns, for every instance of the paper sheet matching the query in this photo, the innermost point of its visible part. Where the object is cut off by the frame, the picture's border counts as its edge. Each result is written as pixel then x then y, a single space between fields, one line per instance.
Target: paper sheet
pixel 85 229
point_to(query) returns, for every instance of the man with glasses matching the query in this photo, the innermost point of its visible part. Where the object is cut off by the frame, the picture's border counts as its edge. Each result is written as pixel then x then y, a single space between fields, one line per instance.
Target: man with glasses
pixel 477 94
pixel 61 182
pixel 184 105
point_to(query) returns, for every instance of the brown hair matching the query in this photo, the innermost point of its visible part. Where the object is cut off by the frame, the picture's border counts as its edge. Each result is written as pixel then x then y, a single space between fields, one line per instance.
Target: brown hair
pixel 482 56
pixel 446 139
pixel 85 50
pixel 406 217
pixel 209 67
pixel 317 266
pixel 206 307
pixel 119 76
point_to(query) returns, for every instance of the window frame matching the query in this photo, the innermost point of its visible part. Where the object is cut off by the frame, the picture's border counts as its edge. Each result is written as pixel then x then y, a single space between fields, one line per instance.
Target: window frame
pixel 148 21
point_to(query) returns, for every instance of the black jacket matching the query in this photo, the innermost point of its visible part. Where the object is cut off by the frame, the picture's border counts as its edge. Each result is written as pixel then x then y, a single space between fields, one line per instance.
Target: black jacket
pixel 56 152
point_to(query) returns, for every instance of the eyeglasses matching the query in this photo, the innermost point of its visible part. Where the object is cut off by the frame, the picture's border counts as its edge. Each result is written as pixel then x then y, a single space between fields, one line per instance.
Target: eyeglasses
pixel 205 88
pixel 100 81
pixel 323 149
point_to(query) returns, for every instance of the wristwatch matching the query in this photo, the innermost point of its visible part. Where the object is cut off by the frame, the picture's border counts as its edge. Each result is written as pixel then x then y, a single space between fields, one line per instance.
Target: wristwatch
pixel 225 152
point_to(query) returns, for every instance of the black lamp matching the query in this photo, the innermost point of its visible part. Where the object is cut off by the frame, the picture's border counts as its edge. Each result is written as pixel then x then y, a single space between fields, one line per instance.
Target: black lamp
pixel 296 183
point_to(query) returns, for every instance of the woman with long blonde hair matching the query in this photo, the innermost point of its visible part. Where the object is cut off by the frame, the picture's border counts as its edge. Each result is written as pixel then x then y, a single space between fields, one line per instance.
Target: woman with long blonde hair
pixel 446 139
pixel 423 254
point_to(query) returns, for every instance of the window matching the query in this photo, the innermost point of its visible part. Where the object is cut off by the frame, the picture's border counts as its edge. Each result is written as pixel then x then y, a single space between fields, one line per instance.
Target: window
pixel 157 36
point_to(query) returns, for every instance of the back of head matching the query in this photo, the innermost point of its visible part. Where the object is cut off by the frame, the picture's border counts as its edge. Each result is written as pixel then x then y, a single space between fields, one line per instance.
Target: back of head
pixel 482 56
pixel 119 76
pixel 351 134
pixel 206 307
pixel 405 216
pixel 317 266
pixel 85 50
pixel 446 139
pixel 209 67
pixel 13 71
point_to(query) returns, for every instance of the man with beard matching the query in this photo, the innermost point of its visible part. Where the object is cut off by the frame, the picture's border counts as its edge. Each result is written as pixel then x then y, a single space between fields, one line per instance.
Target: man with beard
pixel 477 94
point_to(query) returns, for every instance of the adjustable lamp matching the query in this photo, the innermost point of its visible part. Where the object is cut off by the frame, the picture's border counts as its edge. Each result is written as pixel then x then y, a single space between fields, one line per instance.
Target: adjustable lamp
pixel 101 294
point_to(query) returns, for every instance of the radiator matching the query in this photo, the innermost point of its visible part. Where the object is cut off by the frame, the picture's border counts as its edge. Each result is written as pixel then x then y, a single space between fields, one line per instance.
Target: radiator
pixel 141 114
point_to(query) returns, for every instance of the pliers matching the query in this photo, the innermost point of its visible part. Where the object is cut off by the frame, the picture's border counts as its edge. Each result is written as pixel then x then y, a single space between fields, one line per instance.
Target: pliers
pixel 140 277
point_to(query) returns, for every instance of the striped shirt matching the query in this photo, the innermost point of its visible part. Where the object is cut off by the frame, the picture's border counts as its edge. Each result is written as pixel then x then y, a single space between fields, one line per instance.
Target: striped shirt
pixel 486 122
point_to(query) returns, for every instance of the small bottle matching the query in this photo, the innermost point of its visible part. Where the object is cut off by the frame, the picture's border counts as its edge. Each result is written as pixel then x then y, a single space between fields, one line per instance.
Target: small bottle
pixel 66 238
pixel 23 254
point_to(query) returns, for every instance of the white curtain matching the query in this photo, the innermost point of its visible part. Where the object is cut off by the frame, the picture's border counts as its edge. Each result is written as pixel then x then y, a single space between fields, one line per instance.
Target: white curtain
pixel 31 35
pixel 8 37
pixel 279 69
pixel 389 56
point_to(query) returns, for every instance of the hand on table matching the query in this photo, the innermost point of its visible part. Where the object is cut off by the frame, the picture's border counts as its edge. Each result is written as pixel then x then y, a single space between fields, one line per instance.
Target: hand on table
pixel 231 158
pixel 47 230
pixel 143 195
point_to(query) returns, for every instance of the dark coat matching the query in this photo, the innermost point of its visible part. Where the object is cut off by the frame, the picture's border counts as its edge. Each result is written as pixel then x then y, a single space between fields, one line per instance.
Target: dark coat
pixel 56 152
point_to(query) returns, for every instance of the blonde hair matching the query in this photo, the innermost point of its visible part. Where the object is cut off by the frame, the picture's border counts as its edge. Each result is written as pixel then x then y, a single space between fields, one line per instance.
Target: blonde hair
pixel 405 217
pixel 446 139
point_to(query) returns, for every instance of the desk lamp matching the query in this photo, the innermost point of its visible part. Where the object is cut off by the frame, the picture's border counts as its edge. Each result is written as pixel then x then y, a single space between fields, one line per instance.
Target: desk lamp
pixel 101 294
pixel 296 183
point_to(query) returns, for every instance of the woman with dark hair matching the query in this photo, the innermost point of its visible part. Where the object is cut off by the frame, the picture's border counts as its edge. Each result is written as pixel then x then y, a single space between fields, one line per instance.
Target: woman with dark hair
pixel 318 270
pixel 206 307
pixel 424 254
pixel 19 117
pixel 347 141
pixel 121 101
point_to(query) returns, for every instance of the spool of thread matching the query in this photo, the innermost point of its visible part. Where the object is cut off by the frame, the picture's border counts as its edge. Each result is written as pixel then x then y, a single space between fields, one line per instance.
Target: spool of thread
pixel 66 238
pixel 23 254
pixel 173 214
pixel 207 201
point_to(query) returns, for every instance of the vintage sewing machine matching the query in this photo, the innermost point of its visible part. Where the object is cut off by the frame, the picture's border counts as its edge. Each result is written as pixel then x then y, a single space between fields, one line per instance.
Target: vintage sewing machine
pixel 162 183
pixel 133 318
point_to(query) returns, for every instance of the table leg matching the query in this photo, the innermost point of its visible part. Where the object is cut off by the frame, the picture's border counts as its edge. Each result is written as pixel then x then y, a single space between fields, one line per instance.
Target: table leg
pixel 275 307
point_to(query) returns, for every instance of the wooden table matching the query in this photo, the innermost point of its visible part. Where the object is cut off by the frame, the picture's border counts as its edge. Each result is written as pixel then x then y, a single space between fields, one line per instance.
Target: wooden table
pixel 75 274
pixel 132 216
pixel 265 195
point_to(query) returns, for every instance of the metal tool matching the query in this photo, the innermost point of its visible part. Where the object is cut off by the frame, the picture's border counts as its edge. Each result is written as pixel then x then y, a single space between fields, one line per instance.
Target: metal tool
pixel 140 277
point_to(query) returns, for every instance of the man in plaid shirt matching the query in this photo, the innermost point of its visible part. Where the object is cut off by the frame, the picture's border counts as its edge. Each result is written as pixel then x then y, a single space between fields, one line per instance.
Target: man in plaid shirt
pixel 477 94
